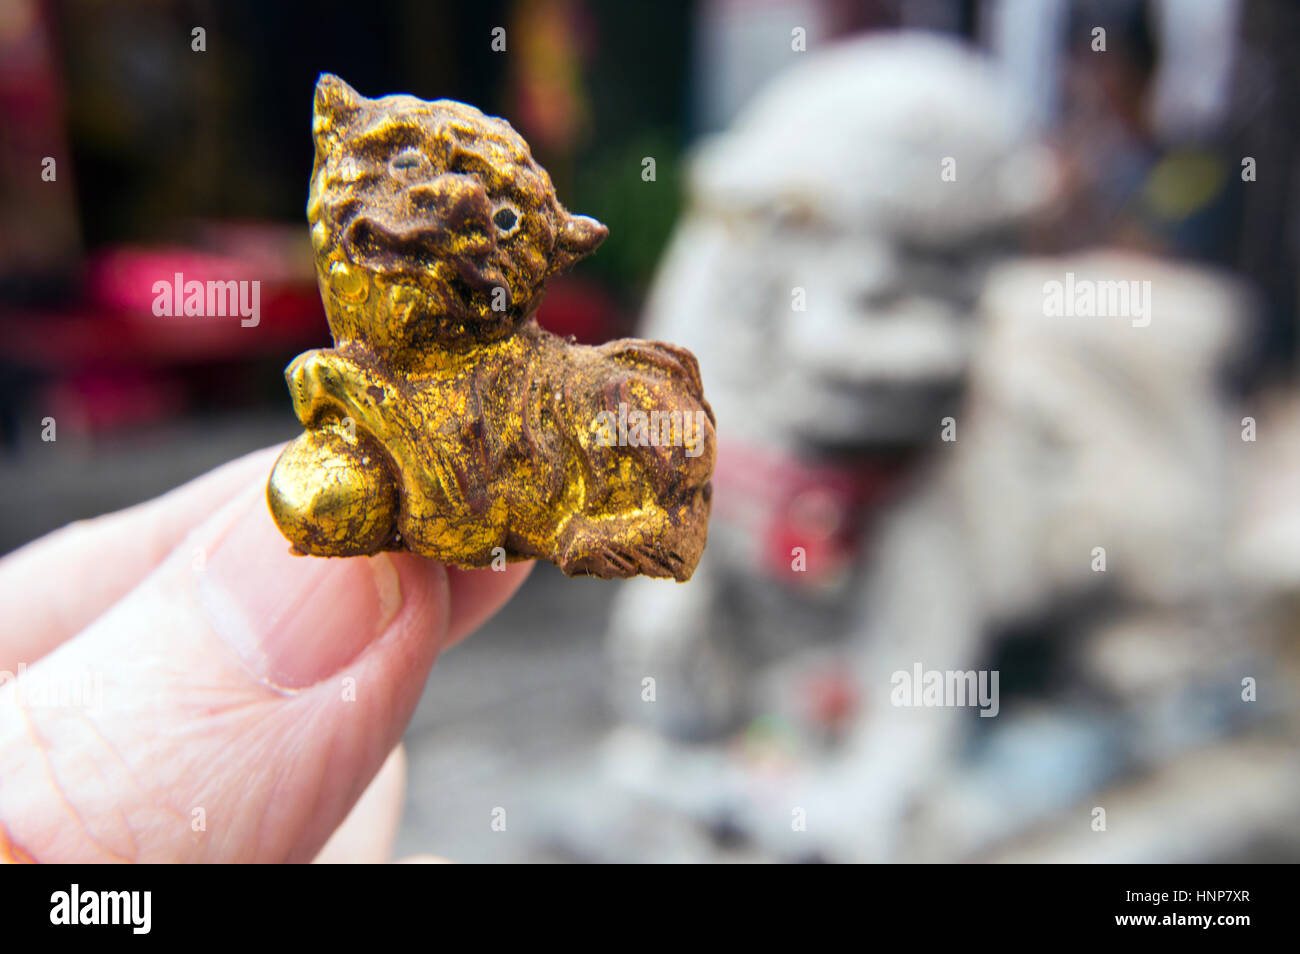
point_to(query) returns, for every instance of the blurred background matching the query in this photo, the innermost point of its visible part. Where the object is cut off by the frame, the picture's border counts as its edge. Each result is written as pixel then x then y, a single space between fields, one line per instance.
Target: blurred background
pixel 854 216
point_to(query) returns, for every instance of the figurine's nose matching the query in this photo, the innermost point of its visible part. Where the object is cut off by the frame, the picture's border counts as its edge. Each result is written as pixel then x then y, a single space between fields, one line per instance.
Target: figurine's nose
pixel 451 202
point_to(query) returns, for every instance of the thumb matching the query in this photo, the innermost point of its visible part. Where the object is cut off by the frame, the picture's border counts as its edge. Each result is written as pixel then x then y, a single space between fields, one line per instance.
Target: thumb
pixel 232 707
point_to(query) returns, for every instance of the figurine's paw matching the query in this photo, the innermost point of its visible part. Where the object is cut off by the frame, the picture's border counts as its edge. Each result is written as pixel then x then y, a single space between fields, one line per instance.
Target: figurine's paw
pixel 332 494
pixel 322 384
pixel 329 386
pixel 629 546
pixel 610 561
pixel 310 377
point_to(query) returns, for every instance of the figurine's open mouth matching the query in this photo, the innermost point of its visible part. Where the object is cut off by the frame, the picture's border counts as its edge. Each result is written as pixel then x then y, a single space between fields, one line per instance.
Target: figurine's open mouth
pixel 422 252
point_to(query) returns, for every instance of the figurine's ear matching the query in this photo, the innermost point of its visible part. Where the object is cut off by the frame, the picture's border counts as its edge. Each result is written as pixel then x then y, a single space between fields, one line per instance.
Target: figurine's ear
pixel 337 104
pixel 579 237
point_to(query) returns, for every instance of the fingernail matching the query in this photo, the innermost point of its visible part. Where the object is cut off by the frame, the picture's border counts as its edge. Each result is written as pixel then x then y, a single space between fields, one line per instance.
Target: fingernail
pixel 293 620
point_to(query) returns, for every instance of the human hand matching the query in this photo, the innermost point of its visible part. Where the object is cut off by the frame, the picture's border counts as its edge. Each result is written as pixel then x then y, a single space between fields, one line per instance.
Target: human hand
pixel 193 692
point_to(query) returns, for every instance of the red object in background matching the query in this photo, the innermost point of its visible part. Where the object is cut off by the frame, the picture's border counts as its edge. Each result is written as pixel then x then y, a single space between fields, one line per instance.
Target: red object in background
pixel 786 502
pixel 110 362
pixel 831 698
pixel 90 402
pixel 114 325
pixel 579 309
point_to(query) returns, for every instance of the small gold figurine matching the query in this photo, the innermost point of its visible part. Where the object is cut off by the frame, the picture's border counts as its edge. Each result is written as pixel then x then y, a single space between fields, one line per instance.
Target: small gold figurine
pixel 445 420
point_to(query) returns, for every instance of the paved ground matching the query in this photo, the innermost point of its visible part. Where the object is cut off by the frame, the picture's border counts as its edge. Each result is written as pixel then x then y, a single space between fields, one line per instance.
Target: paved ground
pixel 503 716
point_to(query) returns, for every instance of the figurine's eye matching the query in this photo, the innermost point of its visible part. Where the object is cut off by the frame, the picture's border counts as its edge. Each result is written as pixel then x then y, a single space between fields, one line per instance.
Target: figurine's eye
pixel 506 219
pixel 406 161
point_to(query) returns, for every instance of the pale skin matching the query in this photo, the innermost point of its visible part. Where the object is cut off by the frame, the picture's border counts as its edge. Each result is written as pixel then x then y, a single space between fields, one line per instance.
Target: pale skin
pixel 222 700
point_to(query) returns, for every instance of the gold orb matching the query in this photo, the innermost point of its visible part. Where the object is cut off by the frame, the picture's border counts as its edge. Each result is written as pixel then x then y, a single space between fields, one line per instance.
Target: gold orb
pixel 331 492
